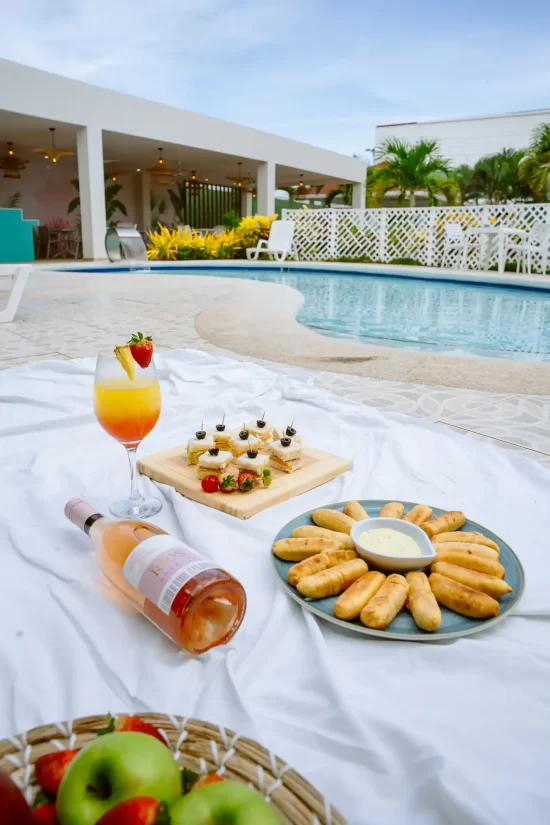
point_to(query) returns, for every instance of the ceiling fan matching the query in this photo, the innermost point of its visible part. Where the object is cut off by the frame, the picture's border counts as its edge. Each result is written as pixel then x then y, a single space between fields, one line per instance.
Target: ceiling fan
pixel 239 180
pixel 53 152
pixel 180 172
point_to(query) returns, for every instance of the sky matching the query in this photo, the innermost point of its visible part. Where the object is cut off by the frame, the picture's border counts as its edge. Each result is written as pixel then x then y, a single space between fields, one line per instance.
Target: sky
pixel 322 71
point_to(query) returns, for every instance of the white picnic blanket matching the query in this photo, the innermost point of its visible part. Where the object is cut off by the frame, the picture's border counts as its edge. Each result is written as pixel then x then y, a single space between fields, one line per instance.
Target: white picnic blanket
pixel 406 733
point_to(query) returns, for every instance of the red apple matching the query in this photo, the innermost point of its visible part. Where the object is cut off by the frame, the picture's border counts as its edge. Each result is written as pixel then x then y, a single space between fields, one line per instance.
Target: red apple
pixel 13 808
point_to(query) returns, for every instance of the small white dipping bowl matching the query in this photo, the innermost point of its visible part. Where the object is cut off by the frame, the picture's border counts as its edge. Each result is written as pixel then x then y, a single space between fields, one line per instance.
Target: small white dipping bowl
pixel 396 564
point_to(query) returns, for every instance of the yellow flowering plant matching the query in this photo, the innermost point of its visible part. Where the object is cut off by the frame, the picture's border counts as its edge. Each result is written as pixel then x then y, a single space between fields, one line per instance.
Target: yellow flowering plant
pixel 182 244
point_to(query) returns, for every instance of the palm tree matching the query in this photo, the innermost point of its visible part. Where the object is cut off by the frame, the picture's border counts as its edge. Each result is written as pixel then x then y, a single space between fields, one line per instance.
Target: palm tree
pixel 467 183
pixel 411 167
pixel 345 190
pixel 534 170
pixel 111 201
pixel 496 177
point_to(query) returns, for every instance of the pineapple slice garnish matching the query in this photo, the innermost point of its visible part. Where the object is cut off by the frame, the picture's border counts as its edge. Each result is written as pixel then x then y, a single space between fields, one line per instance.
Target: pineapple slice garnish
pixel 126 360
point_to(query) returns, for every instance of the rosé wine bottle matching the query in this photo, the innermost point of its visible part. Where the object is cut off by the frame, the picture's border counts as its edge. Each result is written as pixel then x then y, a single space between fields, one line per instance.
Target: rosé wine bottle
pixel 195 603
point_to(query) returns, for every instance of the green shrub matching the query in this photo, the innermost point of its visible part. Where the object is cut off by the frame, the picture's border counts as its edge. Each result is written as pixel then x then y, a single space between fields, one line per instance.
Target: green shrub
pixel 406 262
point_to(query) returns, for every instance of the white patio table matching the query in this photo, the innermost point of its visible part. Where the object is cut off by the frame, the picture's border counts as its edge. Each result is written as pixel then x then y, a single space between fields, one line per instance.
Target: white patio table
pixel 494 234
pixel 390 732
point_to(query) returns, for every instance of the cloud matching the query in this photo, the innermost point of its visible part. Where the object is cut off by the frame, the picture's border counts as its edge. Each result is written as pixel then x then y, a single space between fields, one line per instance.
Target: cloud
pixel 313 70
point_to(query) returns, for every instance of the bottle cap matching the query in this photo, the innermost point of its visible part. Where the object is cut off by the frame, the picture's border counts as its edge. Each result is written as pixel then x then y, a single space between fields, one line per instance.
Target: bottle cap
pixel 78 511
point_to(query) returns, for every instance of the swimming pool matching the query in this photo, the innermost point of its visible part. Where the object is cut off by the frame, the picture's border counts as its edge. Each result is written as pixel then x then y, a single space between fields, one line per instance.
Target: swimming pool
pixel 416 313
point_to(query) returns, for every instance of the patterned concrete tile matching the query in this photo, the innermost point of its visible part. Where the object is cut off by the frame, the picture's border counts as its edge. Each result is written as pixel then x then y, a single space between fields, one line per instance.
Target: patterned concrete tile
pixel 14 362
pixel 534 455
pixel 520 420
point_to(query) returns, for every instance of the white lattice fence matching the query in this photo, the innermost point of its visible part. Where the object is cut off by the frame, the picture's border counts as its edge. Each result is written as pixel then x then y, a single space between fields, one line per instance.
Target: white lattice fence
pixel 386 234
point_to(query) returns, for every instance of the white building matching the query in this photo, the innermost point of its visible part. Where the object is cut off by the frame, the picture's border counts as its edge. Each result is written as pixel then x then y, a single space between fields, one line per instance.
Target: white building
pixel 465 140
pixel 120 135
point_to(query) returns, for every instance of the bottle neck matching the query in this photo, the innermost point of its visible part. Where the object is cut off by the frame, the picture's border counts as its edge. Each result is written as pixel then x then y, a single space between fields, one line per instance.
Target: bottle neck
pixel 81 514
pixel 90 521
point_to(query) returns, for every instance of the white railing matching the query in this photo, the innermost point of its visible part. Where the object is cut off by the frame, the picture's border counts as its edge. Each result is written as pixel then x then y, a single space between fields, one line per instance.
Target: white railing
pixel 385 234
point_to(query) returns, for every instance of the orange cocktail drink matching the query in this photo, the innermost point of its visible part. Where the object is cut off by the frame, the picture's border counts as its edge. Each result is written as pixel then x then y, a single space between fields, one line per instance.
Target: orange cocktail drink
pixel 127 410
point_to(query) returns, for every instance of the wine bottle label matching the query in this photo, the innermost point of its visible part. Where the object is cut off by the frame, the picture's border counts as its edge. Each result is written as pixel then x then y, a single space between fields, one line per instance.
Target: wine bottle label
pixel 160 566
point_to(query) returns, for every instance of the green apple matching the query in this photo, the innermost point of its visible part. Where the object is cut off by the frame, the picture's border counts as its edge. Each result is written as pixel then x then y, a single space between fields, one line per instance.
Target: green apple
pixel 113 768
pixel 227 803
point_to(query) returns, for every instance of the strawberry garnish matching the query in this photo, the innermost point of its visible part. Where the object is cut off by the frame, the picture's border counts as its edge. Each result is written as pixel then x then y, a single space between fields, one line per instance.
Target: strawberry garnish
pixel 208 779
pixel 141 349
pixel 123 724
pixel 246 481
pixel 45 814
pixel 50 769
pixel 228 484
pixel 142 810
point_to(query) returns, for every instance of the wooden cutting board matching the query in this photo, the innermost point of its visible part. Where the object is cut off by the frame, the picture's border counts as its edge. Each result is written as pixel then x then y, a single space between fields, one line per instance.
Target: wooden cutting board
pixel 170 467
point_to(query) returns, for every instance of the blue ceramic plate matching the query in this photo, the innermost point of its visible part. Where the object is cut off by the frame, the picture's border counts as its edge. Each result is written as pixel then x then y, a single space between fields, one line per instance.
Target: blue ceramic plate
pixel 403 627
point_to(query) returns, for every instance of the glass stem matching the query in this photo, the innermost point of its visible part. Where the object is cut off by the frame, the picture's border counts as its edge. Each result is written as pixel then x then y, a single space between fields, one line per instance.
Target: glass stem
pixel 135 495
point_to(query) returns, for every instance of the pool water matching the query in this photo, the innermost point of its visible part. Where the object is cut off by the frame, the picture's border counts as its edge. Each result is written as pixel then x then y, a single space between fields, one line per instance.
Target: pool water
pixel 497 321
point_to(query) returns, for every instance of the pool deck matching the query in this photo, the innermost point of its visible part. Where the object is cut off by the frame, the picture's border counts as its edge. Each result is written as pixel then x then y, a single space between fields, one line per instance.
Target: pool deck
pixel 65 316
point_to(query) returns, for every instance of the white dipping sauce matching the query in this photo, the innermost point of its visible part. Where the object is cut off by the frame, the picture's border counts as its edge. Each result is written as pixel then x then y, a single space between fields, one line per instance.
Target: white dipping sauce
pixel 389 542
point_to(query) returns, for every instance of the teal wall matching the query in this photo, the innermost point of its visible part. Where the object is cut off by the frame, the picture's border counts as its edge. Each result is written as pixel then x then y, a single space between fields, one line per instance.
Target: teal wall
pixel 16 241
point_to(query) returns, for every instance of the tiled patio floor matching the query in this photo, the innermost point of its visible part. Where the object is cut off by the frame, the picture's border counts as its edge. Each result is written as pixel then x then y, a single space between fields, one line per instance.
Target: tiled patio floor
pixel 74 316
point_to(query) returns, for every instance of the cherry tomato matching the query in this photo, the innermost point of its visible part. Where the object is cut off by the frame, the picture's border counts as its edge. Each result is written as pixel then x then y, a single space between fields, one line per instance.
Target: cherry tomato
pixel 210 484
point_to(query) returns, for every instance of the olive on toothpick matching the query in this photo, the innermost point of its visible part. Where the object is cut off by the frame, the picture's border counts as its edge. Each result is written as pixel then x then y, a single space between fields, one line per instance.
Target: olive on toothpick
pixel 286 442
pixel 290 431
pixel 221 427
pixel 261 421
pixel 201 433
pixel 214 451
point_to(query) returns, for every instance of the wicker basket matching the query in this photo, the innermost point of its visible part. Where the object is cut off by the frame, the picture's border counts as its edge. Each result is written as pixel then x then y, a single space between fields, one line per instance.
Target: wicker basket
pixel 197 745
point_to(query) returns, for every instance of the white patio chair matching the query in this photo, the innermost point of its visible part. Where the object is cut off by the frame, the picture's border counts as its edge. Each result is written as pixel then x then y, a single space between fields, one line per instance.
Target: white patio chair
pixel 537 242
pixel 456 240
pixel 19 274
pixel 278 246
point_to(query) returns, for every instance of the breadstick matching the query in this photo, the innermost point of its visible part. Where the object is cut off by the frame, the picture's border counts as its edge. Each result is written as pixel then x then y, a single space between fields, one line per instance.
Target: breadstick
pixel 473 538
pixel 422 602
pixel 307 567
pixel 467 547
pixel 322 561
pixel 355 511
pixel 298 549
pixel 351 602
pixel 392 510
pixel 463 558
pixel 333 581
pixel 491 585
pixel 462 599
pixel 444 523
pixel 333 520
pixel 384 607
pixel 418 514
pixel 311 531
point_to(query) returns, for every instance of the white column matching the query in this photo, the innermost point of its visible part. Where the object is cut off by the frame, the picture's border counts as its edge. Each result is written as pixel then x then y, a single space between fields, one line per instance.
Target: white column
pixel 143 192
pixel 359 196
pixel 266 188
pixel 246 203
pixel 89 144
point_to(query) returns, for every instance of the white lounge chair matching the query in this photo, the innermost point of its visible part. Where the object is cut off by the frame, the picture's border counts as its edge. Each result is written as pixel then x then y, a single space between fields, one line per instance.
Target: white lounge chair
pixel 278 246
pixel 19 274
pixel 535 242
